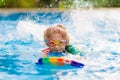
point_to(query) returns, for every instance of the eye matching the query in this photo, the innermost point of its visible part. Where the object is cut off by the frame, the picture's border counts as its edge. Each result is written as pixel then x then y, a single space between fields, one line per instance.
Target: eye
pixel 51 42
pixel 60 42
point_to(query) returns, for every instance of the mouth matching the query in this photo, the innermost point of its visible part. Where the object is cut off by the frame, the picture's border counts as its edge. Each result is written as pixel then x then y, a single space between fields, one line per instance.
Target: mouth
pixel 56 50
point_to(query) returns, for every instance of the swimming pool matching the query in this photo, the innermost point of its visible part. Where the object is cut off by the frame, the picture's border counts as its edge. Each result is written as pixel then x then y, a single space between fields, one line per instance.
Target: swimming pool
pixel 95 32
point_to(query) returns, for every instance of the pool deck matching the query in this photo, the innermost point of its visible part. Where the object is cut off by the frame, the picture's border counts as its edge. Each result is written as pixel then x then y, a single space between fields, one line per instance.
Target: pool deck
pixel 12 10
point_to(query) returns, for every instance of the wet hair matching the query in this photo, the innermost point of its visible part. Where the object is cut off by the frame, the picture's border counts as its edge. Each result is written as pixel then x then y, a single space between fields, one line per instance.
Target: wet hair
pixel 56 29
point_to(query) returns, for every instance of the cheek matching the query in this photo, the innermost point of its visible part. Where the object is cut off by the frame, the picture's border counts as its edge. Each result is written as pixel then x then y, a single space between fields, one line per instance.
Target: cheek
pixel 51 48
pixel 63 47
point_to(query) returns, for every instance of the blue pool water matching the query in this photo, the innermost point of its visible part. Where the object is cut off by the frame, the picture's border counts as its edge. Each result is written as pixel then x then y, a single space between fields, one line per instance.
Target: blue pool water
pixel 95 32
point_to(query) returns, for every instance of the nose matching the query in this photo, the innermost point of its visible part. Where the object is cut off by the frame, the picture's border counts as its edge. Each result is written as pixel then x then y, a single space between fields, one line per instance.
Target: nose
pixel 56 46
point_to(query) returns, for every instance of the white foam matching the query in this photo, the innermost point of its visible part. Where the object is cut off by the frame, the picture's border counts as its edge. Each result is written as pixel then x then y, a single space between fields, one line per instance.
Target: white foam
pixel 26 28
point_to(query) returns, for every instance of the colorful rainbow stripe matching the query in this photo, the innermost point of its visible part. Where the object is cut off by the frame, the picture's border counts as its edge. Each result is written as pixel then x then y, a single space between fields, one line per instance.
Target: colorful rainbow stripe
pixel 59 61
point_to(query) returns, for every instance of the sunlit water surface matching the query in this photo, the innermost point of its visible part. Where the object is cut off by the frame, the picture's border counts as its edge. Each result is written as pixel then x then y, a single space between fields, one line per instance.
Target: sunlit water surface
pixel 95 32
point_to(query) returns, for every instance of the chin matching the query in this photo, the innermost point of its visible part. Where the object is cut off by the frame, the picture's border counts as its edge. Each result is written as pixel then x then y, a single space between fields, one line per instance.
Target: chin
pixel 56 50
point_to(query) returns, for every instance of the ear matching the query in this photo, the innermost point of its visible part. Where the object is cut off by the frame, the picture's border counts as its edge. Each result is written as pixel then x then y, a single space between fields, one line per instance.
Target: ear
pixel 67 43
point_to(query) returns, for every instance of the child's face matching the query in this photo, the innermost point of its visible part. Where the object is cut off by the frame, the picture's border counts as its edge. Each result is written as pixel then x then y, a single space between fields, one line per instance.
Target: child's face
pixel 56 43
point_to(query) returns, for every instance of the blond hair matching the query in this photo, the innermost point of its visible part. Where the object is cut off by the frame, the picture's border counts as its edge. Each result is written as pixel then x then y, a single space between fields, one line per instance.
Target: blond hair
pixel 56 29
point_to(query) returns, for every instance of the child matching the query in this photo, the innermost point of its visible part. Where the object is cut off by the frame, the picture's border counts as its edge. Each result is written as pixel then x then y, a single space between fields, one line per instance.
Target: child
pixel 57 40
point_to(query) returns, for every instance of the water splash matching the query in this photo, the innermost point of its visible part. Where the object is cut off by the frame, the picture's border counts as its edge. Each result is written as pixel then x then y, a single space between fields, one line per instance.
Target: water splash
pixel 95 32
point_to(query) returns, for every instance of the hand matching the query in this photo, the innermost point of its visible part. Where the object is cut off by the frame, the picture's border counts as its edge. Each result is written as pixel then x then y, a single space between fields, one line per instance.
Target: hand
pixel 45 52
